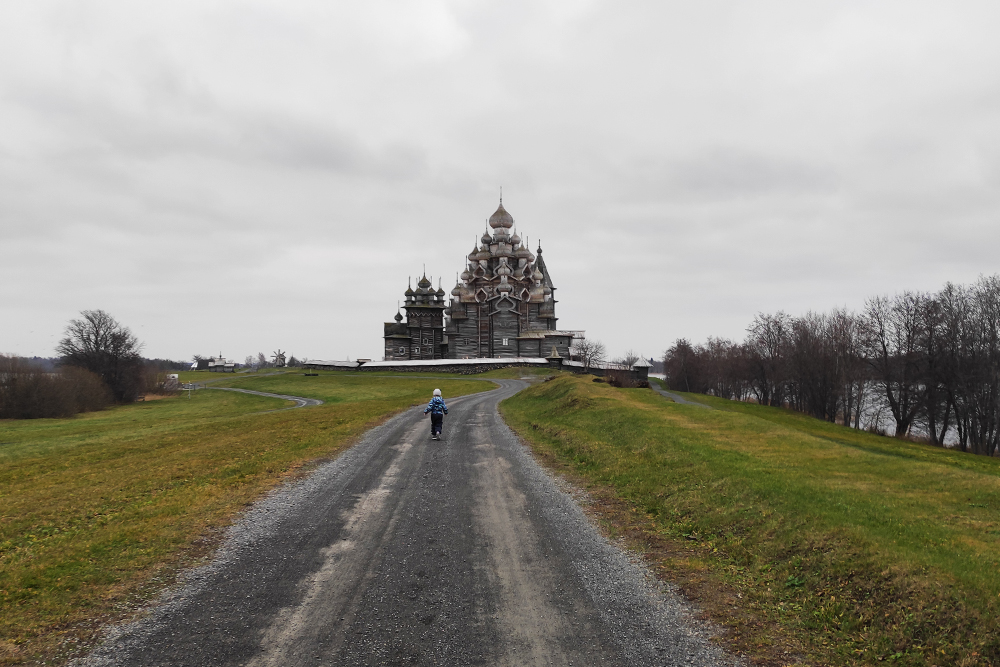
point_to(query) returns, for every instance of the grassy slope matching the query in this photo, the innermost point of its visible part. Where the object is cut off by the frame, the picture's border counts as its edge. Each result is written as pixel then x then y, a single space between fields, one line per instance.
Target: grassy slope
pixel 820 541
pixel 96 511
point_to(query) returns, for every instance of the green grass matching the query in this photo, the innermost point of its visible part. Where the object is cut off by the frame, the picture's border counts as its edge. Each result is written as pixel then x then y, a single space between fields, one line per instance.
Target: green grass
pixel 223 379
pixel 98 511
pixel 839 546
pixel 336 387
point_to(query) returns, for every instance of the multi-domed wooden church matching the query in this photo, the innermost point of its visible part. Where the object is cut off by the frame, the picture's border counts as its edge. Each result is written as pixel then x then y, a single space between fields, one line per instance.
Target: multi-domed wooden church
pixel 503 306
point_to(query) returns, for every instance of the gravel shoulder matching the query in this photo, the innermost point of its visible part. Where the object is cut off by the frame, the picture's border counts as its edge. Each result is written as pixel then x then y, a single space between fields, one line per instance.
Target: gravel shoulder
pixel 405 550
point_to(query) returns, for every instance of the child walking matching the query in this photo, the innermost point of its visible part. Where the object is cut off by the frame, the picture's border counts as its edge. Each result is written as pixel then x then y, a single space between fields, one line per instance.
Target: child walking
pixel 438 410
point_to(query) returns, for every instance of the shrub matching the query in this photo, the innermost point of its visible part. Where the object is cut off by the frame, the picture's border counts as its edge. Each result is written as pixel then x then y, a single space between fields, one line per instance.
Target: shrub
pixel 28 391
pixel 90 393
pixel 621 377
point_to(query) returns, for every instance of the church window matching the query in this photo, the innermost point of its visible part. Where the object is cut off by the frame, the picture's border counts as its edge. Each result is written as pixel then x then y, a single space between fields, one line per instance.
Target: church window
pixel 504 341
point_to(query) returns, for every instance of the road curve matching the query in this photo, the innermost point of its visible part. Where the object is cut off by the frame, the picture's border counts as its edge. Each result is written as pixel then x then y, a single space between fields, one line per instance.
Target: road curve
pixel 300 402
pixel 409 551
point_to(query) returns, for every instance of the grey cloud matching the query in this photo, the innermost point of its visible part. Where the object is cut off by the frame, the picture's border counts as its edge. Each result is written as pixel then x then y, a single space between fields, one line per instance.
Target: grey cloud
pixel 687 163
pixel 727 173
pixel 96 128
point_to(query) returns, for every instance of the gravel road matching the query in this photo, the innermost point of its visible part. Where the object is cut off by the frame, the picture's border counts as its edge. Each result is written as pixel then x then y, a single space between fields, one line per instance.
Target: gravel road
pixel 408 551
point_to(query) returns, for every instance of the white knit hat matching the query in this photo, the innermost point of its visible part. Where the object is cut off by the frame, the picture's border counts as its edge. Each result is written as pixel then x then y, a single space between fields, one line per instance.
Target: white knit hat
pixel 437 392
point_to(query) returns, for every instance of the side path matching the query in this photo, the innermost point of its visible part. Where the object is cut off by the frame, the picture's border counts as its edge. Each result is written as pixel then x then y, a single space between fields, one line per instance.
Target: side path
pixel 677 398
pixel 300 402
pixel 409 551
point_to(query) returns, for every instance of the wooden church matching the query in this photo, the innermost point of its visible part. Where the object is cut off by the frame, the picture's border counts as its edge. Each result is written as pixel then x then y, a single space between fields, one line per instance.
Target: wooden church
pixel 503 306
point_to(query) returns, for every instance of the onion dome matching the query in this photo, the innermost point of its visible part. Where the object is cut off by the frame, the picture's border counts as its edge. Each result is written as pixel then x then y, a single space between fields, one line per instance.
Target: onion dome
pixel 504 287
pixel 457 290
pixel 515 239
pixel 537 275
pixel 486 238
pixel 466 275
pixel 398 318
pixel 501 219
pixel 424 283
pixel 524 253
pixel 440 292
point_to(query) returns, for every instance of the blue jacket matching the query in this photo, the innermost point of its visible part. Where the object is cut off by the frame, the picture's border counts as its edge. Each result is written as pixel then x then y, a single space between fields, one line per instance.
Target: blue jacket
pixel 436 406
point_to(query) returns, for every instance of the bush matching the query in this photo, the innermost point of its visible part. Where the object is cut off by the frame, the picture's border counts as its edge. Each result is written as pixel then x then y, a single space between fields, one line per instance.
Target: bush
pixel 89 391
pixel 621 377
pixel 28 391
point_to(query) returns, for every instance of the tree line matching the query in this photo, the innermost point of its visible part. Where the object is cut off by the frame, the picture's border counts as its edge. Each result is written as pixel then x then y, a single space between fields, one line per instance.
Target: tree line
pixel 99 364
pixel 925 365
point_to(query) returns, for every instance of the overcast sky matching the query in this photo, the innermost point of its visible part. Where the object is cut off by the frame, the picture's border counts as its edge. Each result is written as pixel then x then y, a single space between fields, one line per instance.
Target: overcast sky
pixel 238 177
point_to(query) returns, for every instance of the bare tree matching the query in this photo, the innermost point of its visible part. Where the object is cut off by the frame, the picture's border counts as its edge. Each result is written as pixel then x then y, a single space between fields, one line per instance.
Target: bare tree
pixel 935 339
pixel 813 381
pixel 892 332
pixel 682 367
pixel 592 352
pixel 930 363
pixel 629 359
pixel 99 344
pixel 262 360
pixel 766 346
pixel 249 361
pixel 975 351
pixel 844 332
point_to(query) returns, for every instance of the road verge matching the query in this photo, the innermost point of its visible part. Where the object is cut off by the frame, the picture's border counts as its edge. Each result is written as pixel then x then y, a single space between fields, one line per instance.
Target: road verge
pixel 99 513
pixel 812 543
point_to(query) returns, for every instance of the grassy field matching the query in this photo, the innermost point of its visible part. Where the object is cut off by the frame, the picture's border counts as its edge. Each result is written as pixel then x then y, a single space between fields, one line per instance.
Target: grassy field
pixel 97 512
pixel 812 543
